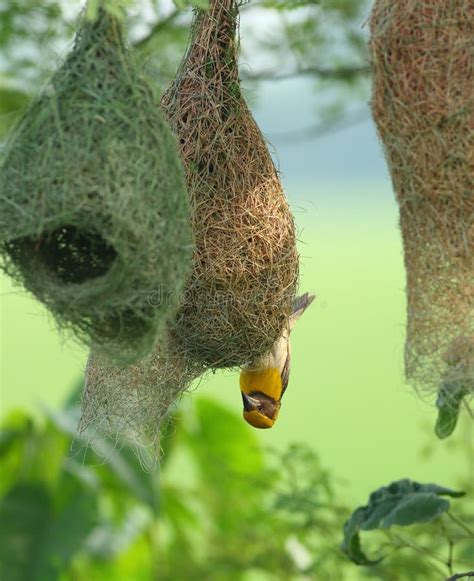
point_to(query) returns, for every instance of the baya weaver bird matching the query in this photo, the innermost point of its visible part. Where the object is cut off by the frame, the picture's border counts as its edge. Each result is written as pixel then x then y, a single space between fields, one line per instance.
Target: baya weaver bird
pixel 265 380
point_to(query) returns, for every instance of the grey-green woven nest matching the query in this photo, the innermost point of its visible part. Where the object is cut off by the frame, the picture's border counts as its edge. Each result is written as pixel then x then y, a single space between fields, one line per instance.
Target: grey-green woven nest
pixel 245 264
pixel 423 104
pixel 94 214
pixel 131 402
pixel 239 295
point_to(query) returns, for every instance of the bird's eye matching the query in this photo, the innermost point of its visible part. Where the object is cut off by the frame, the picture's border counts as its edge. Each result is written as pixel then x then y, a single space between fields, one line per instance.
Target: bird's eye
pixel 250 403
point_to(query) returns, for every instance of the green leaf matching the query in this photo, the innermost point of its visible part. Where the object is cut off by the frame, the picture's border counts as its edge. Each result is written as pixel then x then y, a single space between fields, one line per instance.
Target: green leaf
pixel 228 461
pixel 24 513
pixel 7 438
pixel 92 9
pixel 130 471
pixel 201 4
pixel 17 426
pixel 116 8
pixel 67 534
pixel 176 509
pixel 12 104
pixel 30 453
pixel 423 507
pixel 402 503
pixel 296 502
pixel 442 490
pixel 110 539
pixel 118 465
pixel 351 544
pixel 37 542
pixel 450 397
pixel 222 442
pixel 12 100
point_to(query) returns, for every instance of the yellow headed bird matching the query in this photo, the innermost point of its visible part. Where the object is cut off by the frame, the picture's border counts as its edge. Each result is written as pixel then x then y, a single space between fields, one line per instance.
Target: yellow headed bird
pixel 264 382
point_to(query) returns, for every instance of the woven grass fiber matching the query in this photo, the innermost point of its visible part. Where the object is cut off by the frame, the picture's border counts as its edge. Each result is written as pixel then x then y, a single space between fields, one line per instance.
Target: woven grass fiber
pixel 245 274
pixel 423 104
pixel 239 295
pixel 130 403
pixel 94 213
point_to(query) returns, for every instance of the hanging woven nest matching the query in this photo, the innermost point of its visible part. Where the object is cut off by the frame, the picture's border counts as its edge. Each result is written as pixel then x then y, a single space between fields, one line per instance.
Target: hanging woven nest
pixel 245 271
pixel 131 402
pixel 94 214
pixel 239 295
pixel 423 104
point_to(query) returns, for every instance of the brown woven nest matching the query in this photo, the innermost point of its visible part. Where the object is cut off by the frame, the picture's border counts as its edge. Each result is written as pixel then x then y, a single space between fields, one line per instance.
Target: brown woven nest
pixel 239 295
pixel 423 104
pixel 246 265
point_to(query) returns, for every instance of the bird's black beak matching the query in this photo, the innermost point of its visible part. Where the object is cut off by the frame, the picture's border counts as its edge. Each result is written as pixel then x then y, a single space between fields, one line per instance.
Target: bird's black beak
pixel 250 403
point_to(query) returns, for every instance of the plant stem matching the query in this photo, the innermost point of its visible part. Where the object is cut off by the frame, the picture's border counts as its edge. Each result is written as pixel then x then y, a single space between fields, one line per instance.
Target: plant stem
pixel 418 548
pixel 461 575
pixel 450 555
pixel 460 524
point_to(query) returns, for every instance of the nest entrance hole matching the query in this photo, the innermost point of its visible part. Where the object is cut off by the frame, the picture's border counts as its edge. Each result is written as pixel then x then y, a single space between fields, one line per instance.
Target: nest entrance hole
pixel 74 255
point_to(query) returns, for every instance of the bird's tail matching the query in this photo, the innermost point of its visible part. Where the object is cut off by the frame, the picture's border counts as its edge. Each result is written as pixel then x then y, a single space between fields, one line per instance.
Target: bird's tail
pixel 300 304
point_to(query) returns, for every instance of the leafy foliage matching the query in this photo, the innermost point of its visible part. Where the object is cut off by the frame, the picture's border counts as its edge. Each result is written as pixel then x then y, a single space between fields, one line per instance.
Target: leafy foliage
pixel 219 507
pixel 402 503
pixel 116 8
pixel 449 402
pixel 46 513
pixel 34 38
pixel 26 27
pixel 322 40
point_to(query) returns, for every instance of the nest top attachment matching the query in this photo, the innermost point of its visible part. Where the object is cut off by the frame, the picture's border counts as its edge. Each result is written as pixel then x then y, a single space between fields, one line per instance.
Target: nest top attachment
pixel 245 273
pixel 94 213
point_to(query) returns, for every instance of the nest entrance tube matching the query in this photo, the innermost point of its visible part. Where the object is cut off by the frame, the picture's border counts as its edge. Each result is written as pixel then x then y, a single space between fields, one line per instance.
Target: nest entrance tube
pixel 422 54
pixel 94 213
pixel 73 255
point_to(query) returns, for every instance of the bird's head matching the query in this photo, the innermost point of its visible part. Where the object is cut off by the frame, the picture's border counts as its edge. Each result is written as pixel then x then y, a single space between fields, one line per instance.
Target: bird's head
pixel 260 410
pixel 264 382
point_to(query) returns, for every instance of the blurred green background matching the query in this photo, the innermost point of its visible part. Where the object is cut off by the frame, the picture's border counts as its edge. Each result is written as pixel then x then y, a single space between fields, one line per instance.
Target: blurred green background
pixel 355 424
pixel 346 397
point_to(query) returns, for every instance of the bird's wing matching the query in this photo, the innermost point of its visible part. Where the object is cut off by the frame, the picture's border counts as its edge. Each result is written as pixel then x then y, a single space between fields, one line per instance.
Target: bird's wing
pixel 281 347
pixel 300 304
pixel 285 372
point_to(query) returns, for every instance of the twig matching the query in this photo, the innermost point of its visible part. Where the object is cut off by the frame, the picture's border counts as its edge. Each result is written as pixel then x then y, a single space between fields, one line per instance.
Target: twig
pixel 461 575
pixel 449 562
pixel 460 524
pixel 333 73
pixel 323 128
pixel 157 27
pixel 450 555
pixel 406 542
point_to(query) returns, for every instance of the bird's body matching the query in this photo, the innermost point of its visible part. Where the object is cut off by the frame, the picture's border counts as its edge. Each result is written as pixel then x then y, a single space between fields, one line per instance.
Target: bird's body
pixel 264 382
